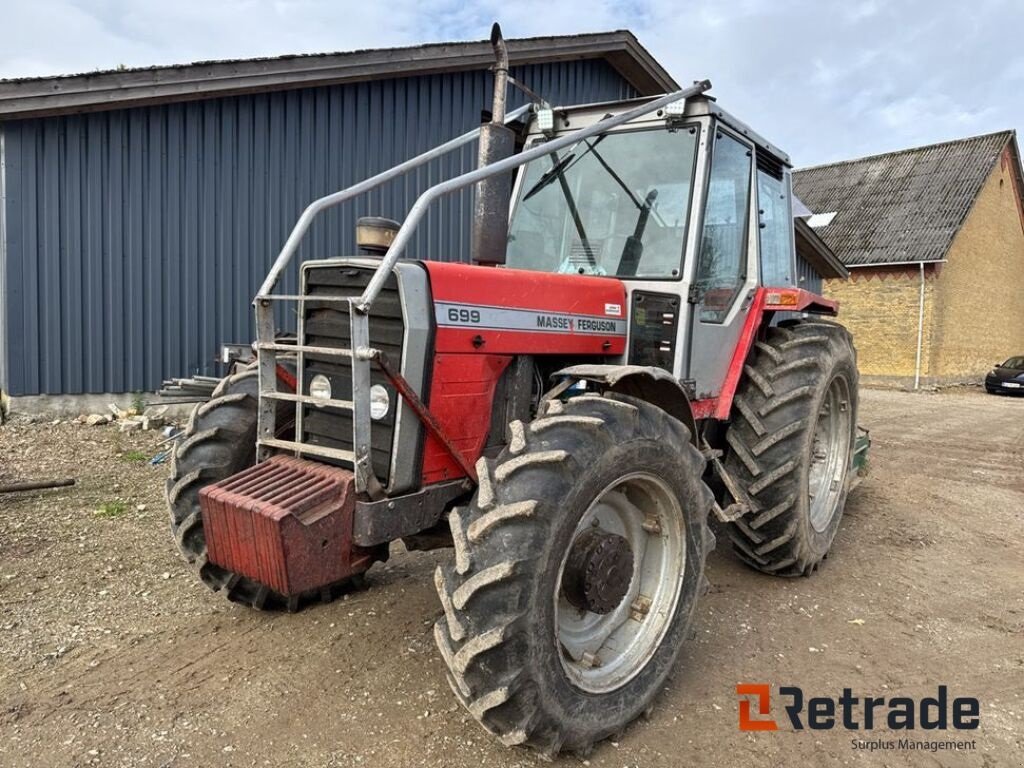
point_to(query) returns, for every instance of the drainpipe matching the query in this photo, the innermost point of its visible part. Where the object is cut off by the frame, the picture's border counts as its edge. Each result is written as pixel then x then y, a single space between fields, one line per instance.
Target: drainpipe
pixel 920 330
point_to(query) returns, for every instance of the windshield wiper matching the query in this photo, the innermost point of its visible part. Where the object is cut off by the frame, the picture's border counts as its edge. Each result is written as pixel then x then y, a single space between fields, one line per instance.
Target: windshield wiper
pixel 576 219
pixel 561 166
pixel 549 175
pixel 618 179
pixel 629 262
pixel 557 171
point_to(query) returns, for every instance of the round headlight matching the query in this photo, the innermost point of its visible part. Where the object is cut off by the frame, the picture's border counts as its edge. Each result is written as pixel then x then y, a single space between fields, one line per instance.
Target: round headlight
pixel 379 402
pixel 320 387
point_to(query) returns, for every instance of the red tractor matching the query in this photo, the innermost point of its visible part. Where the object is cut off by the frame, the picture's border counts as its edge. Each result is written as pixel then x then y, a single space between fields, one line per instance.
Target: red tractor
pixel 568 412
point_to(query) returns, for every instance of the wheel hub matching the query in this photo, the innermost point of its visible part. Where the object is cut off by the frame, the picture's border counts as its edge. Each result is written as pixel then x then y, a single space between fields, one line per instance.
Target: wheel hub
pixel 619 582
pixel 598 571
pixel 830 454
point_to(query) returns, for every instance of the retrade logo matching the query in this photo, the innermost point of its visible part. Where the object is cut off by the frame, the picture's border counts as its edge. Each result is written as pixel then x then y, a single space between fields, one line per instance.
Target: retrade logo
pixel 762 694
pixel 855 713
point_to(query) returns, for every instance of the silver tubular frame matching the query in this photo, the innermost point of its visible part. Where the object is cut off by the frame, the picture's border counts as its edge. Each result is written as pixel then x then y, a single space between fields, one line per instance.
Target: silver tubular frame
pixel 267 350
pixel 362 354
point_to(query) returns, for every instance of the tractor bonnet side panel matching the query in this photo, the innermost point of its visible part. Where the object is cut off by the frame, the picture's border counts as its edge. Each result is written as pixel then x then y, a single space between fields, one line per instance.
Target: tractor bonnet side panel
pixel 462 397
pixel 488 310
pixel 485 316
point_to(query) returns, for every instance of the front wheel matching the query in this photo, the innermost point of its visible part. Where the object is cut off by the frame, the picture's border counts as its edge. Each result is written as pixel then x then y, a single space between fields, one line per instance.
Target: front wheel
pixel 576 573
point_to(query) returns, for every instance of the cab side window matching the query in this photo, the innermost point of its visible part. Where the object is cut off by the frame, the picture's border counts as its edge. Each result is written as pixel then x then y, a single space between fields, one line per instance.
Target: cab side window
pixel 722 264
pixel 778 264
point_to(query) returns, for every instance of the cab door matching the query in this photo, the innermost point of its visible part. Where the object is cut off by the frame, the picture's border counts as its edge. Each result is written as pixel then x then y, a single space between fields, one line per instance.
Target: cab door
pixel 725 270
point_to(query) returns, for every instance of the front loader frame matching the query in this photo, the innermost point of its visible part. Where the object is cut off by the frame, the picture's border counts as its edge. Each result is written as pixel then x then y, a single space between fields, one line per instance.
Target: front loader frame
pixel 361 354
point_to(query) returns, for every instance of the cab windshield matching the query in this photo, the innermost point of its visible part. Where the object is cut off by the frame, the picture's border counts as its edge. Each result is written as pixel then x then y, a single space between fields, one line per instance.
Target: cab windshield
pixel 614 204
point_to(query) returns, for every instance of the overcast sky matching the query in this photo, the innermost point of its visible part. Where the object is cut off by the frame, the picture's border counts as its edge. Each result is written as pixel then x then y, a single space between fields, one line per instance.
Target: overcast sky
pixel 824 79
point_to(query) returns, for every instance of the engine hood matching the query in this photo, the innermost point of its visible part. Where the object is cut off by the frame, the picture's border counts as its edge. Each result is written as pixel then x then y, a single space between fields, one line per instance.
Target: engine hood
pixel 510 311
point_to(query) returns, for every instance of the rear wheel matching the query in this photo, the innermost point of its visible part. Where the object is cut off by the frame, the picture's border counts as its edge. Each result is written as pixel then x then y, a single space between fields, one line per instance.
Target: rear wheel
pixel 576 573
pixel 220 441
pixel 791 445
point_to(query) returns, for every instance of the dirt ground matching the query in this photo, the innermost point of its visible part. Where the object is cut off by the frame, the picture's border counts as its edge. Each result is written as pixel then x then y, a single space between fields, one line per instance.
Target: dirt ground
pixel 112 654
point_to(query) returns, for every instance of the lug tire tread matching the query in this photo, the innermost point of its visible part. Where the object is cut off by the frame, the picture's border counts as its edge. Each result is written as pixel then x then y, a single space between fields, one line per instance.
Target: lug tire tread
pixel 770 438
pixel 485 633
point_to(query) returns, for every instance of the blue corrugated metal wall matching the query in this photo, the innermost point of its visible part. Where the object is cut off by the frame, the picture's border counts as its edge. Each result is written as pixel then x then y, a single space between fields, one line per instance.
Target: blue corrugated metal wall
pixel 807 276
pixel 136 238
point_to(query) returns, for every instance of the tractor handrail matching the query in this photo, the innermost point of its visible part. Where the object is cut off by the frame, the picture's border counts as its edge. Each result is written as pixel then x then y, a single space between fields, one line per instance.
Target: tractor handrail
pixel 314 209
pixel 419 208
pixel 268 439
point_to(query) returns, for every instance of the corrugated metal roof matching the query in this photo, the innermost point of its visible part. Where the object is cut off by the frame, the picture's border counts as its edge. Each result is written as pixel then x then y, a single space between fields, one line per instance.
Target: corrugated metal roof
pixel 63 94
pixel 902 206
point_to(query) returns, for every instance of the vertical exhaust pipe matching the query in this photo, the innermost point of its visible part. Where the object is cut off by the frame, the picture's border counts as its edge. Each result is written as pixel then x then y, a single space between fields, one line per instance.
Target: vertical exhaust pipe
pixel 490 215
pixel 500 75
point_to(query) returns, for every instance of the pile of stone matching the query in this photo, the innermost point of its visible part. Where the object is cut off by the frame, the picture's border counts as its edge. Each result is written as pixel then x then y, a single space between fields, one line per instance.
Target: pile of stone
pixel 129 419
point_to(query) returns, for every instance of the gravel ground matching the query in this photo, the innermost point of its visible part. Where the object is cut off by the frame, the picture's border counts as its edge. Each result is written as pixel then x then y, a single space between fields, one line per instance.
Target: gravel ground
pixel 112 654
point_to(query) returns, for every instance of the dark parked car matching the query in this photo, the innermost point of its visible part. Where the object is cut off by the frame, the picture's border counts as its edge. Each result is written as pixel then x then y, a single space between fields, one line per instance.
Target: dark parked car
pixel 1007 378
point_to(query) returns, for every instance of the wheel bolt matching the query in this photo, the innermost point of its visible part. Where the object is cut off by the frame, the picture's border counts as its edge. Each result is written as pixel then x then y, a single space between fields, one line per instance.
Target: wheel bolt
pixel 640 607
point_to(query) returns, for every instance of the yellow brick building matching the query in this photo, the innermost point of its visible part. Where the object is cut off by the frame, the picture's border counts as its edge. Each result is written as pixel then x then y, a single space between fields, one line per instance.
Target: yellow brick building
pixel 934 241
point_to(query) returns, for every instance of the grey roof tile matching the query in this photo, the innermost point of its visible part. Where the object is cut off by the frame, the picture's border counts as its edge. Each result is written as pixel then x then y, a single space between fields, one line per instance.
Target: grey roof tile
pixel 900 206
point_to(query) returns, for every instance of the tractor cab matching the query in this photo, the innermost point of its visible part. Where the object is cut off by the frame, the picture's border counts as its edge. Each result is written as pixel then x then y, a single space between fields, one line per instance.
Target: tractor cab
pixel 686 205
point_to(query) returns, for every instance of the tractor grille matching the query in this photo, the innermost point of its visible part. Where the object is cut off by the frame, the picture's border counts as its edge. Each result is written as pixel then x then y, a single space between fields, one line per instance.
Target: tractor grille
pixel 326 324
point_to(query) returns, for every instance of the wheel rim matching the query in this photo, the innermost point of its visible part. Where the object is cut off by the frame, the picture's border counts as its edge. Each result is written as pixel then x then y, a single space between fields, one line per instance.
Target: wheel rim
pixel 603 652
pixel 830 454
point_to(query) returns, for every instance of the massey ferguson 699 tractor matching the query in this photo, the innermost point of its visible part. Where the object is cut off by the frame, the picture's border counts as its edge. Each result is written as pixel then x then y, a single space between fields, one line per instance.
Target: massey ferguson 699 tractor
pixel 568 412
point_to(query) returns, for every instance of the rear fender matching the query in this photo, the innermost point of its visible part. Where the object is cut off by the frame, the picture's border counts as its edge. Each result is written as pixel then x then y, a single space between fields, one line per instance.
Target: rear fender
pixel 653 385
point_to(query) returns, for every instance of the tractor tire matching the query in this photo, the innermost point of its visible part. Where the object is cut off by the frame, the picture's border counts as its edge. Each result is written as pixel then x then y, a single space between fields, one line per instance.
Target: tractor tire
pixel 220 441
pixel 791 444
pixel 586 476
